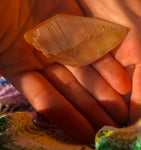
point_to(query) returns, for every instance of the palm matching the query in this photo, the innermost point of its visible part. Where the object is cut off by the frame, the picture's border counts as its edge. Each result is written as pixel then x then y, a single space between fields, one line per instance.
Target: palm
pixel 39 80
pixel 27 69
pixel 129 53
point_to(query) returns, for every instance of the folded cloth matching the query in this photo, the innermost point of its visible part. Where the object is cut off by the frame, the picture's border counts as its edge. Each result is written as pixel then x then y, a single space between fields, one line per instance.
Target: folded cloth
pixel 18 132
pixel 10 99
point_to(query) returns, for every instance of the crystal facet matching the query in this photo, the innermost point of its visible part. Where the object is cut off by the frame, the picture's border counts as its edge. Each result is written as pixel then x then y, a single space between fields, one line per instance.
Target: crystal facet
pixel 75 40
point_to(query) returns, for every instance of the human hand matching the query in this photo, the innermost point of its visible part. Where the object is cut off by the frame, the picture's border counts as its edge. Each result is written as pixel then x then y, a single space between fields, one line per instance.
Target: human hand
pixel 126 13
pixel 59 96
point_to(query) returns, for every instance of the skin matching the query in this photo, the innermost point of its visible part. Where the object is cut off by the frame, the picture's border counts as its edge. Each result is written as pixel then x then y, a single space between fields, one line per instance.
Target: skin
pixel 78 100
pixel 126 13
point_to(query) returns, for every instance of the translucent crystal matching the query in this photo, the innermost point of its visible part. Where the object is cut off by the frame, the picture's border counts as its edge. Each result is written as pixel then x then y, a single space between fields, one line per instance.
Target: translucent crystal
pixel 75 40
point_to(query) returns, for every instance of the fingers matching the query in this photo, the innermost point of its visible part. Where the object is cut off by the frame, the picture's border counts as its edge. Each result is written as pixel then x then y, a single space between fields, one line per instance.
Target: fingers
pixel 53 106
pixel 129 71
pixel 129 52
pixel 113 73
pixel 135 104
pixel 66 83
pixel 100 89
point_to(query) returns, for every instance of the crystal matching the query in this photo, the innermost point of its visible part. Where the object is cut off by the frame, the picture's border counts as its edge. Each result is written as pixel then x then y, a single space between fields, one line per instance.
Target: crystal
pixel 75 40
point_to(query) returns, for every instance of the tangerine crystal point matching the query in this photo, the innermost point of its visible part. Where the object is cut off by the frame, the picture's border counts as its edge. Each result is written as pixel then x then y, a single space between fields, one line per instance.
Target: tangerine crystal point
pixel 75 40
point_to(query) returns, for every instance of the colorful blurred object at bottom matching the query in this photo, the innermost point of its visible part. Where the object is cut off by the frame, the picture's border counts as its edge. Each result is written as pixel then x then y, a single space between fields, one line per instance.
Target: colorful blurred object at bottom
pixel 3 81
pixel 18 132
pixel 110 138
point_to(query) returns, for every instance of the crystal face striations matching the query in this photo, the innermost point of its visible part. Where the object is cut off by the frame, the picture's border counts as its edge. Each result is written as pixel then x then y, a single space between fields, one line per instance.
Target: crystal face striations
pixel 75 40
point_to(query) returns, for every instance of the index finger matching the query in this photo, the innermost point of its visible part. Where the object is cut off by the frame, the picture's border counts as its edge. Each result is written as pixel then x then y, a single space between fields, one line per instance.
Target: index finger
pixel 53 106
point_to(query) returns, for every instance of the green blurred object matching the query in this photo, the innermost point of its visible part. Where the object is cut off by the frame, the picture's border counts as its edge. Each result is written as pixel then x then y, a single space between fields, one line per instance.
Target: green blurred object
pixel 110 138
